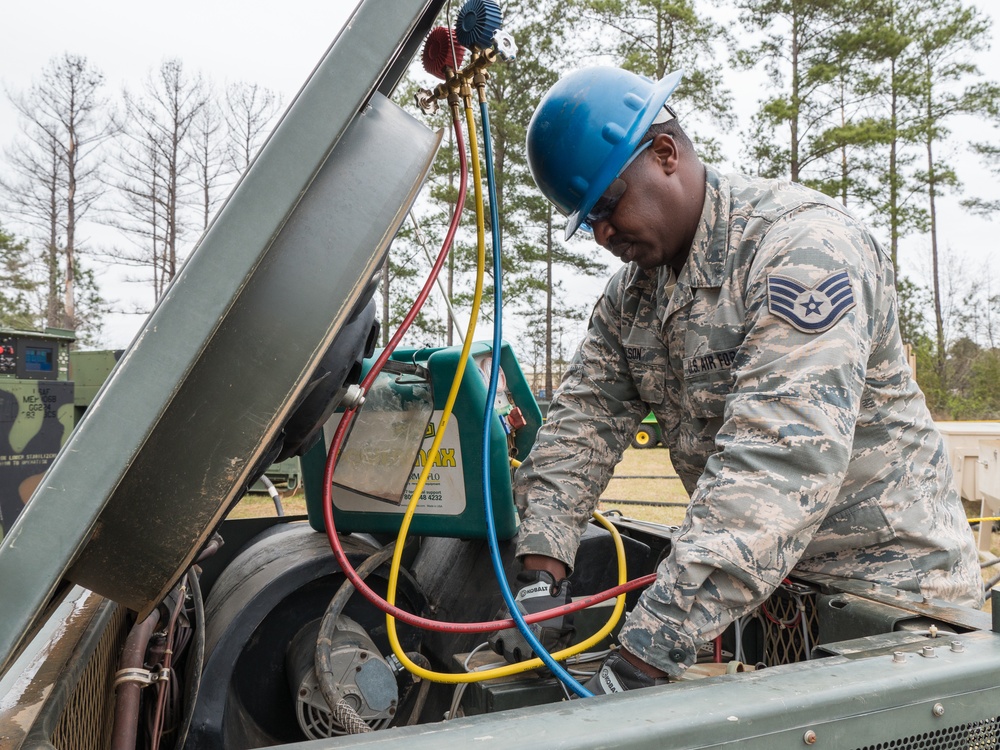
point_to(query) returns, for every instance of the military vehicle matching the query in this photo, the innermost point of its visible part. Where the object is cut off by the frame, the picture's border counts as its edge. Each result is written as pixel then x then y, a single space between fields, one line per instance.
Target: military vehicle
pixel 132 614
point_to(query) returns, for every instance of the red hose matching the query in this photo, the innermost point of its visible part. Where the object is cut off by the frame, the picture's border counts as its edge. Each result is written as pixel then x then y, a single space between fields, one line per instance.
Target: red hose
pixel 348 417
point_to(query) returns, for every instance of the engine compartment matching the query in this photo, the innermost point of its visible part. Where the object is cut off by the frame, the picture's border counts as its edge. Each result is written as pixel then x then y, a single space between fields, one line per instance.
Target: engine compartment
pixel 264 603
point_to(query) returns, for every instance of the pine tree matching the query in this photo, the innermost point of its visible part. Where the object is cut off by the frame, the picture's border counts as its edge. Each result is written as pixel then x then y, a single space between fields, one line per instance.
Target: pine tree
pixel 656 37
pixel 949 84
pixel 19 285
pixel 797 38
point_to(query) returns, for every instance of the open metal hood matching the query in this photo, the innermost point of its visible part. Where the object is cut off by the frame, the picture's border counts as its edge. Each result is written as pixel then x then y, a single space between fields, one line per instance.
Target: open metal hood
pixel 208 381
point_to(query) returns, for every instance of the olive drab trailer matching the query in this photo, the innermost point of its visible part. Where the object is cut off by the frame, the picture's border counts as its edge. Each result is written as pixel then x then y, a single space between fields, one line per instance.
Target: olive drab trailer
pixel 133 614
pixel 36 411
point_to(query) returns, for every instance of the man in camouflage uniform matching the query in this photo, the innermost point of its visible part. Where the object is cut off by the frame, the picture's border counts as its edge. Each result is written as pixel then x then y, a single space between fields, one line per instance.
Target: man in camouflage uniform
pixel 758 321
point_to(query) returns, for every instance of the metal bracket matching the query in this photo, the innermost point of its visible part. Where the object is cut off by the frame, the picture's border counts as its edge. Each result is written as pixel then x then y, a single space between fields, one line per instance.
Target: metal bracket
pixel 354 397
pixel 144 677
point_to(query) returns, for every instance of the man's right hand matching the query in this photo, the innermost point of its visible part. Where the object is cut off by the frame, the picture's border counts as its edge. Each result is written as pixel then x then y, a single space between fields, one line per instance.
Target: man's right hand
pixel 541 591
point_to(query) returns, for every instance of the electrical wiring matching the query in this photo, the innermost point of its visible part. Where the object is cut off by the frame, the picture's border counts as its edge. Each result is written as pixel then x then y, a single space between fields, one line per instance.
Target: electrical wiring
pixel 592 656
pixel 160 705
pixel 805 626
pixel 195 660
pixel 738 639
pixel 456 699
pixel 781 623
pixel 476 650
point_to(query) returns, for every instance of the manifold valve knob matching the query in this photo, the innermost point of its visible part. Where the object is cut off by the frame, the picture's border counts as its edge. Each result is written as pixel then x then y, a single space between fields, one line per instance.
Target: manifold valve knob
pixel 425 101
pixel 505 45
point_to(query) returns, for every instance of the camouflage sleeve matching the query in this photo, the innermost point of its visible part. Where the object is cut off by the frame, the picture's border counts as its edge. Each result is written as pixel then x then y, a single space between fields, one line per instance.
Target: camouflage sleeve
pixel 591 421
pixel 785 442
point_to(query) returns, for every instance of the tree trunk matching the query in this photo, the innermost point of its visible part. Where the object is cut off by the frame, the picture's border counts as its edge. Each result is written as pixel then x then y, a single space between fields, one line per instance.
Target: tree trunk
pixel 52 317
pixel 69 307
pixel 931 197
pixel 894 174
pixel 549 380
pixel 796 83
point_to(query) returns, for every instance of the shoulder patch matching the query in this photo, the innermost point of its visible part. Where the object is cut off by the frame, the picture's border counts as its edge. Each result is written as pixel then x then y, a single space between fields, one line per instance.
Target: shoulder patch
pixel 810 309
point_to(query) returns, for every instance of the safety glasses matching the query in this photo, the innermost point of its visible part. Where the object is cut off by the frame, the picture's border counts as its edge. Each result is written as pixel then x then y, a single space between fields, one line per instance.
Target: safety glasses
pixel 606 204
pixel 608 201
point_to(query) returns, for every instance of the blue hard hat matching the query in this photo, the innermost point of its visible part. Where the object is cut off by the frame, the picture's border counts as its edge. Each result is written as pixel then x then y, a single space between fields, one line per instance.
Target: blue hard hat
pixel 584 131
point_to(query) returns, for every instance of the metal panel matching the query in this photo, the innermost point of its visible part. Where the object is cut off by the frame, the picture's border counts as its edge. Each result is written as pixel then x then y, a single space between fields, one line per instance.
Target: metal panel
pixel 234 316
pixel 846 704
pixel 52 663
pixel 235 397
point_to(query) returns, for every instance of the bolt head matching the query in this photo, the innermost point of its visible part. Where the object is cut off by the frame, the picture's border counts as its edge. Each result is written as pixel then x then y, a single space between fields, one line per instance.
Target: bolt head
pixel 938 710
pixel 809 737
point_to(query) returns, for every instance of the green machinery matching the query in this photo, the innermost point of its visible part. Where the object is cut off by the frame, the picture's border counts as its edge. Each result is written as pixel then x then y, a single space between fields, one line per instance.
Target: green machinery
pixel 119 540
pixel 36 412
pixel 647 434
pixel 391 440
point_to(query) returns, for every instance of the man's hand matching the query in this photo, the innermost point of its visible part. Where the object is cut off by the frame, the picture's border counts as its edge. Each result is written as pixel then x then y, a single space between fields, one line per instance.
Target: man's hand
pixel 541 591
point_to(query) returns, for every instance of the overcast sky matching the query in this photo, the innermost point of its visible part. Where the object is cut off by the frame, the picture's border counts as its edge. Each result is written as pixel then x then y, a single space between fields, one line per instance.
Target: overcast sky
pixel 277 45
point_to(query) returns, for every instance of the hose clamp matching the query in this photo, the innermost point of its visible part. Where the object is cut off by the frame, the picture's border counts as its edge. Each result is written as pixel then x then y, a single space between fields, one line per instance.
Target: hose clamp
pixel 143 677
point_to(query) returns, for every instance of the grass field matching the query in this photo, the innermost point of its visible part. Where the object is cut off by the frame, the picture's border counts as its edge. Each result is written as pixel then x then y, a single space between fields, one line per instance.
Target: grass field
pixel 653 462
pixel 643 475
pixel 256 506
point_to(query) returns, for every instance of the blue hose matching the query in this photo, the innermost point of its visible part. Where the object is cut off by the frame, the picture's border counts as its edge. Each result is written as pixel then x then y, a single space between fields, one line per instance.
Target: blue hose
pixel 491 532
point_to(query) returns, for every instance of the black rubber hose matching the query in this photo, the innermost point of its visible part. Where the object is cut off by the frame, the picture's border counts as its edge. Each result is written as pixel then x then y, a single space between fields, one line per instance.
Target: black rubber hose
pixel 196 660
pixel 324 668
pixel 425 685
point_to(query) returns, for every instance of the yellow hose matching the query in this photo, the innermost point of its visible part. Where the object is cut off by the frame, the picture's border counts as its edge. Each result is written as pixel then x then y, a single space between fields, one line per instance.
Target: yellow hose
pixel 411 507
pixel 524 666
pixel 452 393
pixel 980 520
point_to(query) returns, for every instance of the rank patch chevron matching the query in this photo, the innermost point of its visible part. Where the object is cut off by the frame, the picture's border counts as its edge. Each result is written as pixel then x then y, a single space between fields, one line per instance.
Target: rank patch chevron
pixel 810 309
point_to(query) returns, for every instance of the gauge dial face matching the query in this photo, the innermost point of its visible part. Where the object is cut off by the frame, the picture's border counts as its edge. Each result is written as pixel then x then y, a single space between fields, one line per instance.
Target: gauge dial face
pixel 485 365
